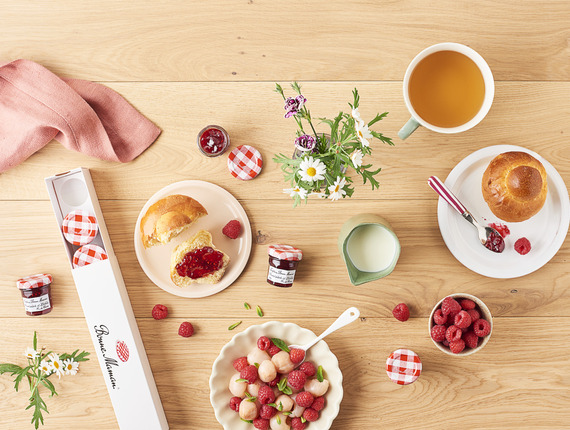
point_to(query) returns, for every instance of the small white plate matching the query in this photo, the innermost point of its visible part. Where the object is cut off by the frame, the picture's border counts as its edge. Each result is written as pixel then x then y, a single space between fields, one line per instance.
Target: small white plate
pixel 241 345
pixel 546 230
pixel 222 207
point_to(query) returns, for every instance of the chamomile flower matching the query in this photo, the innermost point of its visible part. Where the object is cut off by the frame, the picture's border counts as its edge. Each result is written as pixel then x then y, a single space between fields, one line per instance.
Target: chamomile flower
pixel 296 191
pixel 356 158
pixel 30 353
pixel 356 115
pixel 336 190
pixel 57 365
pixel 312 170
pixel 363 134
pixel 46 367
pixel 70 366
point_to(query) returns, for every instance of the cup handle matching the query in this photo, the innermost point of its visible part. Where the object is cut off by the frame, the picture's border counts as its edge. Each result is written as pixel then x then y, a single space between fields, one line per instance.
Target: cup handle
pixel 408 129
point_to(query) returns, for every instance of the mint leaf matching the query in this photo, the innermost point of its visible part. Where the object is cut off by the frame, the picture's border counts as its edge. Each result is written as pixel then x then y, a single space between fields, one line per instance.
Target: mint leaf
pixel 280 344
pixel 320 374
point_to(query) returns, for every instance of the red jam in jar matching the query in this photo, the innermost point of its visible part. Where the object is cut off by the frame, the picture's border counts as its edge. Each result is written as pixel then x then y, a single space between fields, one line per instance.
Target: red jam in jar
pixel 36 294
pixel 213 140
pixel 283 262
pixel 200 262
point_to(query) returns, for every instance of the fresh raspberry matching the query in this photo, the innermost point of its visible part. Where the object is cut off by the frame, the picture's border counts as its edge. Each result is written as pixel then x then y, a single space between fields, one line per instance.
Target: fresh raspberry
pixel 304 399
pixel 445 342
pixel 263 343
pixel 462 320
pixel 401 312
pixel 265 395
pixel 453 333
pixel 267 412
pixel 481 327
pixel 296 355
pixel 186 329
pixel 249 373
pixel 438 333
pixel 318 404
pixel 296 379
pixel 275 381
pixel 467 304
pixel 232 229
pixel 308 369
pixel 234 403
pixel 474 314
pixel 457 346
pixel 261 424
pixel 471 339
pixel 439 318
pixel 297 424
pixel 159 312
pixel 240 363
pixel 450 306
pixel 274 349
pixel 310 415
pixel 522 246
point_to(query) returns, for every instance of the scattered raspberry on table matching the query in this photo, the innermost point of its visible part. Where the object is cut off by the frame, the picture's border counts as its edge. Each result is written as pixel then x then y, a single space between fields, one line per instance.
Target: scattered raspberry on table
pixel 159 312
pixel 401 312
pixel 186 329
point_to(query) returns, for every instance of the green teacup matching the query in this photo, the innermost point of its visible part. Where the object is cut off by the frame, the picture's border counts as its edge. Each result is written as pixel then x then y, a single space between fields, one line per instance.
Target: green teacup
pixel 369 248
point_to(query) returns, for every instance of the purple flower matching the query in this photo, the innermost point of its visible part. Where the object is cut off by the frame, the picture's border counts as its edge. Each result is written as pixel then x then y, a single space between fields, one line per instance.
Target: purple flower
pixel 294 105
pixel 306 143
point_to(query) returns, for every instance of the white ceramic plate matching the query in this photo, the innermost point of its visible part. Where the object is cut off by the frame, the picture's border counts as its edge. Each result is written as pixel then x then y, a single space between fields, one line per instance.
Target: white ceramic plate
pixel 546 230
pixel 222 207
pixel 242 343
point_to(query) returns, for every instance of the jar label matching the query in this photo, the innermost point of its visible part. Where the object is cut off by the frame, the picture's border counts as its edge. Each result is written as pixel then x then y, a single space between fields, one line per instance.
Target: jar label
pixel 280 276
pixel 36 304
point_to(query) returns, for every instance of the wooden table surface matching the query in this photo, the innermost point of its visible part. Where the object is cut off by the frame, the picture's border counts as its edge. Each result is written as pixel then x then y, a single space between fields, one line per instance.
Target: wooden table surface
pixel 188 64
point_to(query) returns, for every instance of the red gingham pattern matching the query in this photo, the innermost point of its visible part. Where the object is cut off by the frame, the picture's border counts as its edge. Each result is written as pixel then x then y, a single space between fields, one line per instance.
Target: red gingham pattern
pixel 245 162
pixel 79 227
pixel 285 252
pixel 34 281
pixel 88 254
pixel 403 366
pixel 122 351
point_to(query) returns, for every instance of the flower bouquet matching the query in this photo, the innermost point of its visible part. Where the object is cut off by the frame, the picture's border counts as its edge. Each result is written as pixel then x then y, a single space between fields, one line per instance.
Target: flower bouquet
pixel 321 161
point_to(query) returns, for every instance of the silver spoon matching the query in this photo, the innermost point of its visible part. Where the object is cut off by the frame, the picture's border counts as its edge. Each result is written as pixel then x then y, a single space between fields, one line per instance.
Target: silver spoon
pixel 489 237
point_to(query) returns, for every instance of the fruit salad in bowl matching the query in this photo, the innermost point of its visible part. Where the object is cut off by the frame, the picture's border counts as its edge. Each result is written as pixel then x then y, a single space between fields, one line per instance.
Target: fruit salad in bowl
pixel 258 382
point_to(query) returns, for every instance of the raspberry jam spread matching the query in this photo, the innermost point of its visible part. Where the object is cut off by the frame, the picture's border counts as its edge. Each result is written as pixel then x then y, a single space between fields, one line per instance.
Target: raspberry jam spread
pixel 283 262
pixel 501 228
pixel 36 294
pixel 522 246
pixel 213 140
pixel 200 262
pixel 495 242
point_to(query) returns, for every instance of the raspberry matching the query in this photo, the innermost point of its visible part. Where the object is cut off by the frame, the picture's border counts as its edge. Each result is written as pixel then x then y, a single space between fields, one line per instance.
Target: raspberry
pixel 249 373
pixel 318 404
pixel 234 403
pixel 296 355
pixel 232 229
pixel 186 329
pixel 462 320
pixel 296 379
pixel 159 312
pixel 445 342
pixel 310 415
pixel 450 306
pixel 438 333
pixel 298 424
pixel 263 343
pixel 467 304
pixel 481 327
pixel 267 412
pixel 453 333
pixel 439 318
pixel 240 363
pixel 275 381
pixel 265 395
pixel 308 369
pixel 522 246
pixel 401 312
pixel 261 424
pixel 274 349
pixel 457 346
pixel 471 339
pixel 304 399
pixel 474 314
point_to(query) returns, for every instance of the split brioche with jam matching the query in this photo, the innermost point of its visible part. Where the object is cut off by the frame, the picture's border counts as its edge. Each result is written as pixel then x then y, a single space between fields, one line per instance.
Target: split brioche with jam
pixel 211 264
pixel 515 186
pixel 169 217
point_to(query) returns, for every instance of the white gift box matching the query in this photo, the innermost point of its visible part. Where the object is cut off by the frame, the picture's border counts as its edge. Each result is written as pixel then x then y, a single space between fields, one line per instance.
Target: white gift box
pixel 108 311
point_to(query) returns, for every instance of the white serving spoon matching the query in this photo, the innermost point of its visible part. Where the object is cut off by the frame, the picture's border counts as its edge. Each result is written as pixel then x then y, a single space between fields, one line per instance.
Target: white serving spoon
pixel 348 316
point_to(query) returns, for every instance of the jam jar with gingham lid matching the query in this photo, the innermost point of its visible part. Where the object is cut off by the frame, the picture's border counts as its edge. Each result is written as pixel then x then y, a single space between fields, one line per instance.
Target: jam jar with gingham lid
pixel 36 294
pixel 283 262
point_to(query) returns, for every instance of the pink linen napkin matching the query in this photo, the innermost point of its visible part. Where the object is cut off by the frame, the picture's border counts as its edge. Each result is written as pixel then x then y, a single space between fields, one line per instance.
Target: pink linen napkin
pixel 36 106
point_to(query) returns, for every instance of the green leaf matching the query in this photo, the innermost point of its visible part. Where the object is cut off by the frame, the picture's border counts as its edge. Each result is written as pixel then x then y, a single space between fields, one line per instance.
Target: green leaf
pixel 10 368
pixel 320 374
pixel 303 420
pixel 247 306
pixel 35 344
pixel 47 383
pixel 256 365
pixel 259 311
pixel 377 118
pixel 247 421
pixel 282 384
pixel 280 344
pixel 278 420
pixel 234 325
pixel 356 97
pixel 241 380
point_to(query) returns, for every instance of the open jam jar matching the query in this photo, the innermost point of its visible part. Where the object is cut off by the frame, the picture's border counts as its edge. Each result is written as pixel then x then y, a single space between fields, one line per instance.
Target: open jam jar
pixel 36 294
pixel 213 140
pixel 283 262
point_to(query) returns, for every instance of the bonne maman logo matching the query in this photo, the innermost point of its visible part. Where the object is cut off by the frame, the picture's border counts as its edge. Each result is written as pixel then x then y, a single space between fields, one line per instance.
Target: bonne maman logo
pixel 111 363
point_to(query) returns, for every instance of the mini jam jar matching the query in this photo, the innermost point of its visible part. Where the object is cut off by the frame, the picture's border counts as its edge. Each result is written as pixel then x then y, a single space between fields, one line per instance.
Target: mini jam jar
pixel 403 366
pixel 213 140
pixel 36 294
pixel 283 262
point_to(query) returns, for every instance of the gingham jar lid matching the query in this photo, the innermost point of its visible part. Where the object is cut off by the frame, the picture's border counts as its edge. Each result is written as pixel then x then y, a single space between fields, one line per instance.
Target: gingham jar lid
pixel 403 366
pixel 79 227
pixel 245 162
pixel 34 281
pixel 88 254
pixel 285 252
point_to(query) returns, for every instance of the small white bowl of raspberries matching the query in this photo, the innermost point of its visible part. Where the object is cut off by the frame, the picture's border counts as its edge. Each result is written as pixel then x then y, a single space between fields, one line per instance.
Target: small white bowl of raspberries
pixel 258 383
pixel 460 324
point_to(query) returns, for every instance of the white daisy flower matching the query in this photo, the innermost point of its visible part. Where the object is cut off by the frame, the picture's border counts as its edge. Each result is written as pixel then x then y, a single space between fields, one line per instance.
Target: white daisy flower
pixel 363 134
pixel 336 190
pixel 356 158
pixel 356 115
pixel 70 366
pixel 312 170
pixel 46 367
pixel 296 191
pixel 57 365
pixel 30 353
